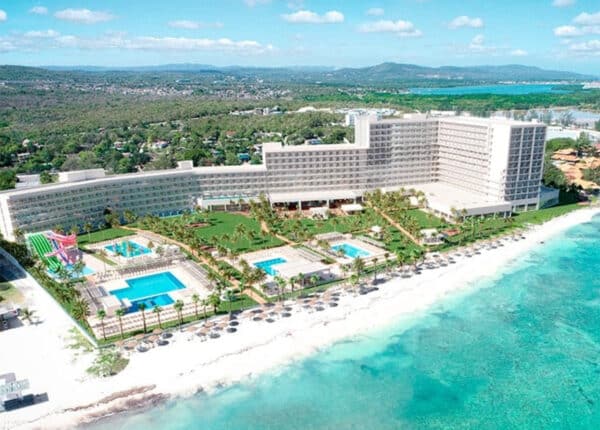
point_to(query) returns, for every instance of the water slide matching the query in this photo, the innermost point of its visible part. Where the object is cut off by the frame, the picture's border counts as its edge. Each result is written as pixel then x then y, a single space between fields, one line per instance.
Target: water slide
pixel 59 244
pixel 42 247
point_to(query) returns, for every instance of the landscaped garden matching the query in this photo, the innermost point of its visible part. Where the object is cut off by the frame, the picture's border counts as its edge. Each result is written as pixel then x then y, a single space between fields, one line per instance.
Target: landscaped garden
pixel 102 235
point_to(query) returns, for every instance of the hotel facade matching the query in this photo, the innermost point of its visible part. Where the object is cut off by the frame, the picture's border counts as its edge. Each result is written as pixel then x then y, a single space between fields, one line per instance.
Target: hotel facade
pixel 478 165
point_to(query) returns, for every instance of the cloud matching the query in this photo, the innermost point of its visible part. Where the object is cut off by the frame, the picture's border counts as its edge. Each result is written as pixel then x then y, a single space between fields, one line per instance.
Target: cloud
pixel 587 18
pixel 567 31
pixel 478 45
pixel 252 3
pixel 400 27
pixel 375 11
pixel 519 53
pixel 39 40
pixel 563 3
pixel 590 47
pixel 48 34
pixel 3 16
pixel 83 16
pixel 465 21
pixel 39 10
pixel 193 25
pixel 309 17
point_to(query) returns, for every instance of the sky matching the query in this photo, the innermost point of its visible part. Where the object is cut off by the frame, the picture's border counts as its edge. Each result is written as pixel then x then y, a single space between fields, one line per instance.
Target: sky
pixel 556 34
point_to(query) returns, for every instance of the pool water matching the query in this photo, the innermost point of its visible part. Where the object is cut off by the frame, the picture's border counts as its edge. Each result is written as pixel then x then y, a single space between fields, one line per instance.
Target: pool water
pixel 152 302
pixel 149 288
pixel 267 265
pixel 85 272
pixel 128 249
pixel 350 251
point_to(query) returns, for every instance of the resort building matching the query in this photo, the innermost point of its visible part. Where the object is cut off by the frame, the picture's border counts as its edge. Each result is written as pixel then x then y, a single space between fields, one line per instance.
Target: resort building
pixel 477 165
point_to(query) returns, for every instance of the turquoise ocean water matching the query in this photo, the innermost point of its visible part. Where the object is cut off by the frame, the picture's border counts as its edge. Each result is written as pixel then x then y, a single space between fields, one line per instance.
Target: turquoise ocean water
pixel 506 89
pixel 520 351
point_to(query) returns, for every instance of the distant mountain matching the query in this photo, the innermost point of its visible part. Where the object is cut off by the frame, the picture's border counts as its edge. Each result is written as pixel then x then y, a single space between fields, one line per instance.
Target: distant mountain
pixel 393 72
pixel 381 74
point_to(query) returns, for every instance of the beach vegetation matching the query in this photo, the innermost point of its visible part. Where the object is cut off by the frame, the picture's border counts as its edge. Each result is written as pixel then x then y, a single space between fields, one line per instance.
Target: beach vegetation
pixel 108 362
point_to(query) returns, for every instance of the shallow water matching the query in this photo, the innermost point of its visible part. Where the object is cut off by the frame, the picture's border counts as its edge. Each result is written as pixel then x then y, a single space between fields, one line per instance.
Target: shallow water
pixel 520 351
pixel 514 89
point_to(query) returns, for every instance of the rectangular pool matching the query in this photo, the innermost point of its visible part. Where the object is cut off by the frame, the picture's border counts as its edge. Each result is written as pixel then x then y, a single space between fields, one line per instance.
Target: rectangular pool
pixel 149 287
pixel 350 251
pixel 151 302
pixel 267 265
pixel 127 249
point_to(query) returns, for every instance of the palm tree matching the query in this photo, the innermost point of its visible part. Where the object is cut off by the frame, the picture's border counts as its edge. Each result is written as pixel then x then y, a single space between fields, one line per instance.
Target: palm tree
pixel 281 283
pixel 119 313
pixel 27 314
pixel 157 310
pixel 195 300
pixel 179 308
pixel 87 227
pixel 358 265
pixel 214 300
pixel 314 279
pixel 18 234
pixel 101 314
pixel 230 297
pixel 81 309
pixel 142 308
pixel 205 304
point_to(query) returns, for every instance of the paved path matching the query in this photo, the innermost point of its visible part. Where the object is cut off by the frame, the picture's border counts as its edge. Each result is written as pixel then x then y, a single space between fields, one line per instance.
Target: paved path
pixel 395 224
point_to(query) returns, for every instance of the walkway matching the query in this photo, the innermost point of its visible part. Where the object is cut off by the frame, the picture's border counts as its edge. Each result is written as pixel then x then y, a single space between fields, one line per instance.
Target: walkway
pixel 395 224
pixel 264 227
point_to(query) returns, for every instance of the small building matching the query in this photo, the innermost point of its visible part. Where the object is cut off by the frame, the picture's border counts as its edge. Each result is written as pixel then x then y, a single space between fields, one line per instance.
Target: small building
pixel 352 208
pixel 431 236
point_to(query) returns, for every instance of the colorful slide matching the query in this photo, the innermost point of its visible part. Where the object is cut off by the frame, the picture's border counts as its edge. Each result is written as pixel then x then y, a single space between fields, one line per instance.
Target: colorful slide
pixel 43 247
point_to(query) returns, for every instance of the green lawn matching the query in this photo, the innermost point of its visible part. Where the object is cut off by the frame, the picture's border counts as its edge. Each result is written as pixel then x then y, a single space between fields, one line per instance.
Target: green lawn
pixel 221 223
pixel 355 224
pixel 543 215
pixel 102 235
pixel 424 219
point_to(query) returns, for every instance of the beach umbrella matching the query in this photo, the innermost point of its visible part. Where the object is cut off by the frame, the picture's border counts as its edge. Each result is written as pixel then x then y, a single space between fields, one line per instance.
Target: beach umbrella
pixel 191 328
pixel 139 336
pixel 157 331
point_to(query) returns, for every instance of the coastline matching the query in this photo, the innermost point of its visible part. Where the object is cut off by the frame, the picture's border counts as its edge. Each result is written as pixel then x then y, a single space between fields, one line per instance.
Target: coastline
pixel 257 347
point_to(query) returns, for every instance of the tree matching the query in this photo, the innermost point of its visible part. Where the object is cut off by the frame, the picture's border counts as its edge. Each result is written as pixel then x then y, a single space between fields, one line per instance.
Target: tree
pixel 195 300
pixel 281 283
pixel 81 309
pixel 205 304
pixel 215 301
pixel 142 309
pixel 157 310
pixel 179 308
pixel 87 227
pixel 120 313
pixel 230 297
pixel 101 314
pixel 27 314
pixel 47 177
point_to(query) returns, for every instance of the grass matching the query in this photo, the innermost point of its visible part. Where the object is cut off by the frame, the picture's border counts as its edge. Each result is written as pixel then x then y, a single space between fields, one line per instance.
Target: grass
pixel 424 219
pixel 224 223
pixel 9 293
pixel 542 215
pixel 355 224
pixel 102 235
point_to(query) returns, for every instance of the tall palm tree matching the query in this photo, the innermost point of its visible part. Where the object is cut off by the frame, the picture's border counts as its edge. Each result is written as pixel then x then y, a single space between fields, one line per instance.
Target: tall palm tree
pixel 87 227
pixel 205 304
pixel 101 314
pixel 230 297
pixel 195 300
pixel 119 313
pixel 27 314
pixel 314 279
pixel 142 308
pixel 179 308
pixel 157 310
pixel 214 300
pixel 281 283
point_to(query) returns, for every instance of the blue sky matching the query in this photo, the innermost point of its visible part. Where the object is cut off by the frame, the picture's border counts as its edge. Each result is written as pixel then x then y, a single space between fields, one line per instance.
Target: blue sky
pixel 559 34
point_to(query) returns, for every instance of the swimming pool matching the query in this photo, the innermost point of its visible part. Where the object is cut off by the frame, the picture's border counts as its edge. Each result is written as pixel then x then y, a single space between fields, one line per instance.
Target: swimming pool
pixel 85 272
pixel 127 249
pixel 151 290
pixel 267 265
pixel 350 251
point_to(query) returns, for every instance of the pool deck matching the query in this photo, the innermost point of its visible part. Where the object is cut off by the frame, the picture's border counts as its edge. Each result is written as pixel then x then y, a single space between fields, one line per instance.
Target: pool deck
pixel 192 286
pixel 374 251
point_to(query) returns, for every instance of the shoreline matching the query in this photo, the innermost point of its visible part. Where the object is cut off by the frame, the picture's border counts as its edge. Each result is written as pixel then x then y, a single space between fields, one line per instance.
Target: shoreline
pixel 155 376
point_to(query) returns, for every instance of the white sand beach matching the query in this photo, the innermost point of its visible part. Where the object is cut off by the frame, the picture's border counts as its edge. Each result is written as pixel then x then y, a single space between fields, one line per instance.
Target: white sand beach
pixel 38 352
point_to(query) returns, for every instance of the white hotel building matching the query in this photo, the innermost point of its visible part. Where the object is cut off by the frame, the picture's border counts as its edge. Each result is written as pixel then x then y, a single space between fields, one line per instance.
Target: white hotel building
pixel 483 166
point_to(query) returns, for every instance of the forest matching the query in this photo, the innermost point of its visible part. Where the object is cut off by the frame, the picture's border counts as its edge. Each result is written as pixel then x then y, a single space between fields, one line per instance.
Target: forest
pixel 124 123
